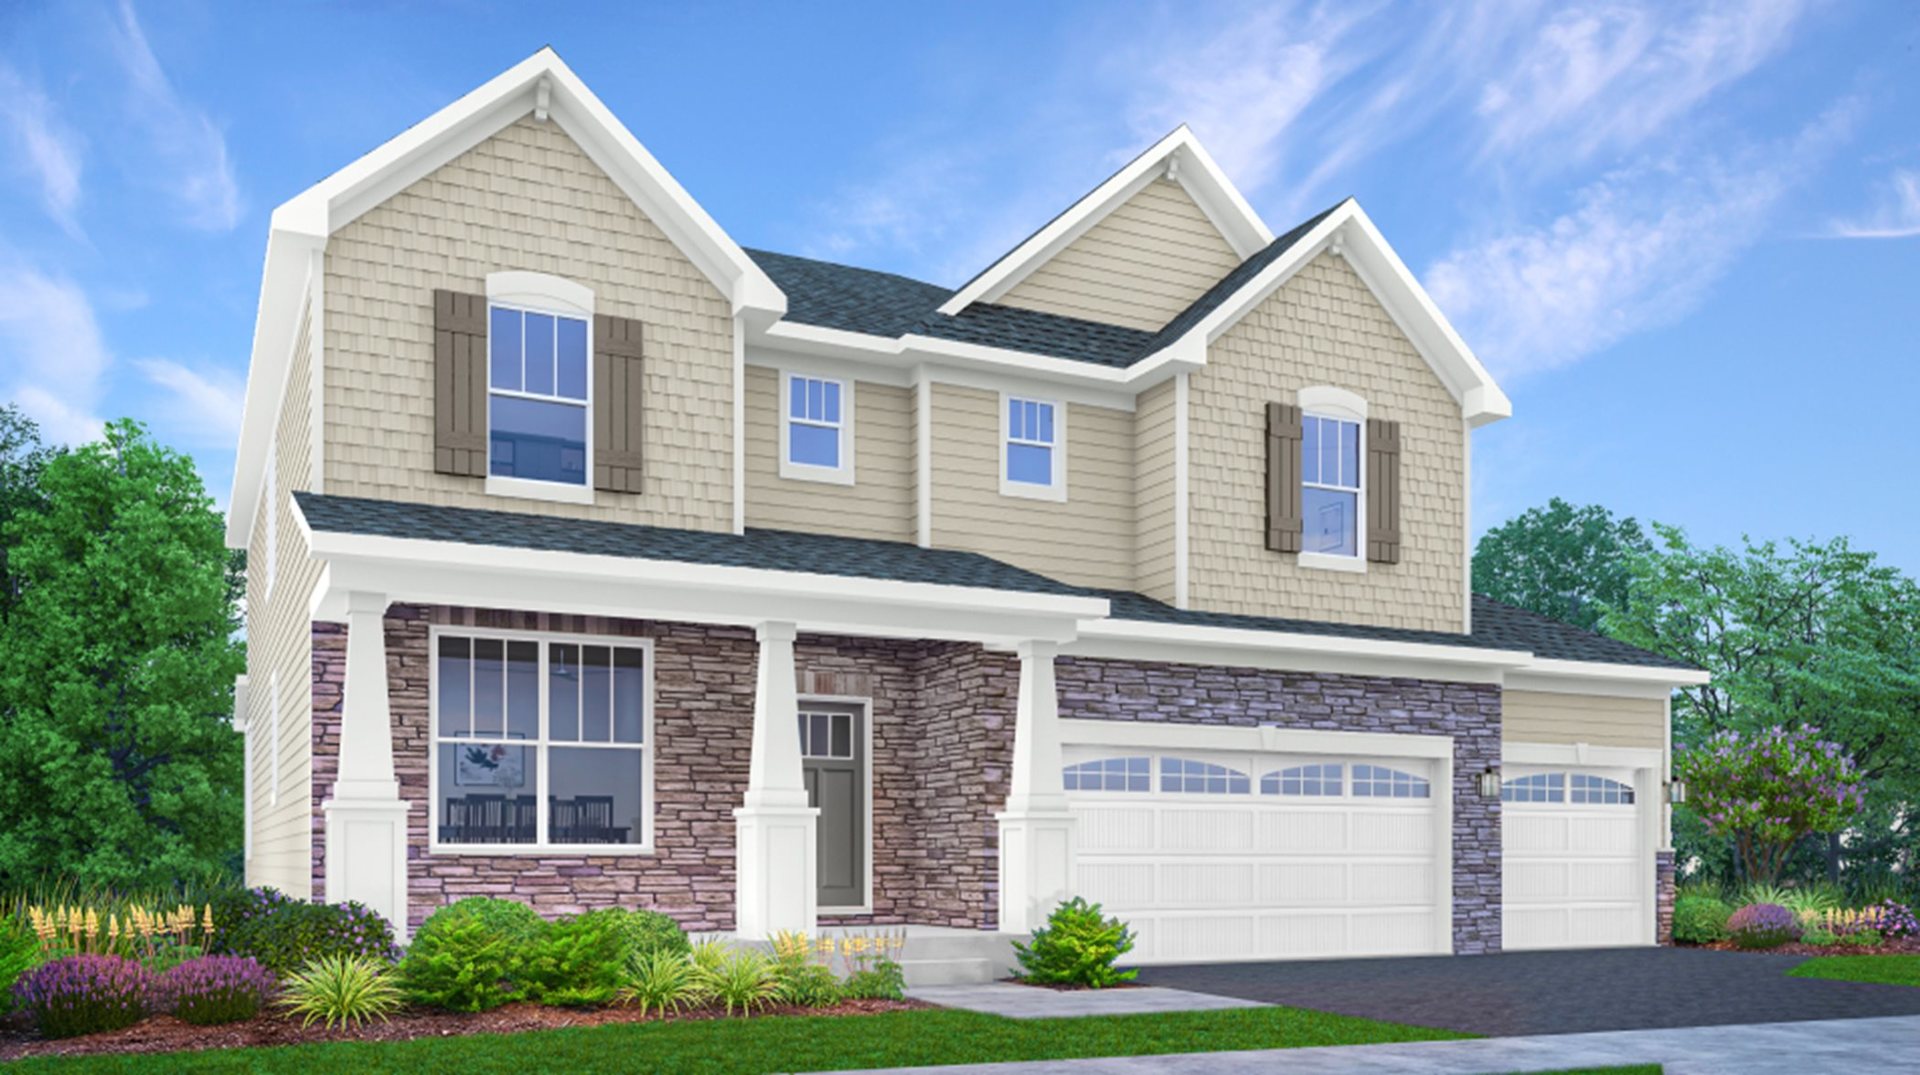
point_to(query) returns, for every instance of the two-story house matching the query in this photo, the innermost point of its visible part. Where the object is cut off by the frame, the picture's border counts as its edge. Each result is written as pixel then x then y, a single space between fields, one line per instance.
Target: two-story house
pixel 595 560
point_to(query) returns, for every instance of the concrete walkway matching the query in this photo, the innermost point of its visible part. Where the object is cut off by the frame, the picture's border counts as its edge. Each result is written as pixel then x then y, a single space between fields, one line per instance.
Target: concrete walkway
pixel 1804 1048
pixel 1032 1002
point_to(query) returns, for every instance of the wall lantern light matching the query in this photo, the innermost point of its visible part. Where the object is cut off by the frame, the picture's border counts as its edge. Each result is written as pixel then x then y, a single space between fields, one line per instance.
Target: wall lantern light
pixel 1676 791
pixel 1490 784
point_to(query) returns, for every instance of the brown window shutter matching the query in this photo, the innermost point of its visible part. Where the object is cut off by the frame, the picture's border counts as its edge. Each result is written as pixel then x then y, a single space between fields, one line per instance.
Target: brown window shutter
pixel 1383 491
pixel 617 418
pixel 1283 477
pixel 460 384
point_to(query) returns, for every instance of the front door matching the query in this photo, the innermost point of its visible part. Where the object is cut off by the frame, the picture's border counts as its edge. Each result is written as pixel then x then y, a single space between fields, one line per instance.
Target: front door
pixel 833 749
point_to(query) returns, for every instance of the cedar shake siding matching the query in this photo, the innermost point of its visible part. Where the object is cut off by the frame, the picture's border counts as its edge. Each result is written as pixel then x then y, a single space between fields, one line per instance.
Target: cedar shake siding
pixel 1324 327
pixel 1154 461
pixel 525 199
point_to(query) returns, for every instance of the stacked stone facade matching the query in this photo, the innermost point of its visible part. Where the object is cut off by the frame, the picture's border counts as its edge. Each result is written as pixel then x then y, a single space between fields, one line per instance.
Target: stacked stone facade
pixel 1663 895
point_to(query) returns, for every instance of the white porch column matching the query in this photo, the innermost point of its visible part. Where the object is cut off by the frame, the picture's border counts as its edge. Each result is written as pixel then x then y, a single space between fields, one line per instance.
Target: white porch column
pixel 1036 828
pixel 776 884
pixel 366 821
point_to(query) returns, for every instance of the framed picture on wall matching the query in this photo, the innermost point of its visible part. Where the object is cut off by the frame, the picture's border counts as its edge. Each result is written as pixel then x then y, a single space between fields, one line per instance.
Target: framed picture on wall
pixel 490 765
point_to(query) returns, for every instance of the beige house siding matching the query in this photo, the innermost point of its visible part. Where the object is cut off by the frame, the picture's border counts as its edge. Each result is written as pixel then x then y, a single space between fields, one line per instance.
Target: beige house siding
pixel 1139 266
pixel 1087 541
pixel 526 199
pixel 279 650
pixel 1324 327
pixel 1153 453
pixel 1542 717
pixel 880 502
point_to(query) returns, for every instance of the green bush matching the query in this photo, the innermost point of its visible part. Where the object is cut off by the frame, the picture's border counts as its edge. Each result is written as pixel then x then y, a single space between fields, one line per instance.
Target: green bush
pixel 1819 938
pixel 578 961
pixel 1861 938
pixel 348 990
pixel 645 932
pixel 289 935
pixel 882 981
pixel 1077 946
pixel 745 980
pixel 1700 920
pixel 663 982
pixel 472 955
pixel 19 953
pixel 806 985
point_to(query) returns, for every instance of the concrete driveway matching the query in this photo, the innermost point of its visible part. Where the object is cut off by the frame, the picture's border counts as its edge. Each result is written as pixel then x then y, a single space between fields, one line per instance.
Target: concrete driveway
pixel 1551 992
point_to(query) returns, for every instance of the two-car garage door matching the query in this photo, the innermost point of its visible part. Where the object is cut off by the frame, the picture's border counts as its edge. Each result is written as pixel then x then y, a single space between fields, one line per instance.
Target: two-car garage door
pixel 1215 855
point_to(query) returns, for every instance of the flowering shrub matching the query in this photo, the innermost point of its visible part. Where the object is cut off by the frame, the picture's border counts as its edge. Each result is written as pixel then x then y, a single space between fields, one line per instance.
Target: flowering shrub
pixel 230 912
pixel 133 931
pixel 1763 925
pixel 84 995
pixel 290 934
pixel 216 989
pixel 1769 789
pixel 1896 919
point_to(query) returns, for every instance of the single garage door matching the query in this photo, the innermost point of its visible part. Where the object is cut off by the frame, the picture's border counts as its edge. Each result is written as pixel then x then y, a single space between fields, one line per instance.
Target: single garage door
pixel 1215 856
pixel 1575 873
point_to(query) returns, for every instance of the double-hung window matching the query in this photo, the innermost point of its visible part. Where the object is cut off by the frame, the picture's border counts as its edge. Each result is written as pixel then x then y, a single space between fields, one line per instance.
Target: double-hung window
pixel 541 742
pixel 1330 478
pixel 1032 449
pixel 537 396
pixel 816 429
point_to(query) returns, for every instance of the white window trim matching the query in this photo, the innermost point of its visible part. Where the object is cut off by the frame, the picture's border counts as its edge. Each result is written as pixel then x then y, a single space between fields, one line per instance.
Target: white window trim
pixel 865 705
pixel 649 804
pixel 1326 401
pixel 1056 489
pixel 840 475
pixel 541 293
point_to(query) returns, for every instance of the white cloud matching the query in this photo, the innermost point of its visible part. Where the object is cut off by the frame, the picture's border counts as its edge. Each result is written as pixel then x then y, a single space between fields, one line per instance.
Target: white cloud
pixel 189 149
pixel 1640 246
pixel 46 145
pixel 207 405
pixel 51 344
pixel 1897 217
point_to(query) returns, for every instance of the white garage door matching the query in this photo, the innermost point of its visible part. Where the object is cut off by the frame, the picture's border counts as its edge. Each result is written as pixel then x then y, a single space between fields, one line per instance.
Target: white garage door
pixel 1574 870
pixel 1212 856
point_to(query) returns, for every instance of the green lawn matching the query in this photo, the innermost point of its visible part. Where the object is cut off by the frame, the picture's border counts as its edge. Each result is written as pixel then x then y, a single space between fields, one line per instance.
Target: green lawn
pixel 757 1046
pixel 1886 970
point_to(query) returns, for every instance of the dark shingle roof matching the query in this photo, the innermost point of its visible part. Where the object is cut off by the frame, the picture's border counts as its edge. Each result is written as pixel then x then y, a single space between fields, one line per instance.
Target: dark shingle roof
pixel 1039 333
pixel 1495 626
pixel 1231 283
pixel 843 297
pixel 772 550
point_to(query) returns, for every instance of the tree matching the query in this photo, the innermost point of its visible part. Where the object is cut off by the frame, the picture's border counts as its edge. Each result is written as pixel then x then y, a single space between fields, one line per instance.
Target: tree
pixel 21 459
pixel 1769 790
pixel 1564 562
pixel 118 764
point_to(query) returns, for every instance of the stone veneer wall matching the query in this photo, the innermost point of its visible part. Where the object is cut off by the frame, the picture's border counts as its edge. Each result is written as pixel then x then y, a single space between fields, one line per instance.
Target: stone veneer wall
pixel 1663 894
pixel 1196 694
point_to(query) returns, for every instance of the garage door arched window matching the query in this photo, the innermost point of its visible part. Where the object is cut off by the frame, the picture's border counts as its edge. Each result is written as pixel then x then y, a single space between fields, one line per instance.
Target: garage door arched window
pixel 1109 774
pixel 1303 780
pixel 1206 778
pixel 1598 790
pixel 1380 782
pixel 1538 788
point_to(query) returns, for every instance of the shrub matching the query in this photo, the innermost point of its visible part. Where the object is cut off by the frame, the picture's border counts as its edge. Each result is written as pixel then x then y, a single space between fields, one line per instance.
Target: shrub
pixel 291 934
pixel 882 981
pixel 662 981
pixel 1896 919
pixel 1077 946
pixel 1863 938
pixel 1819 938
pixel 349 990
pixel 578 961
pixel 215 989
pixel 230 912
pixel 85 995
pixel 472 955
pixel 1700 920
pixel 743 980
pixel 643 932
pixel 19 953
pixel 1763 925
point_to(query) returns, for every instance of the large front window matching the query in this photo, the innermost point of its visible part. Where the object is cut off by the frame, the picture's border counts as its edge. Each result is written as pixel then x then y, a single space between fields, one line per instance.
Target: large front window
pixel 1330 479
pixel 537 398
pixel 541 742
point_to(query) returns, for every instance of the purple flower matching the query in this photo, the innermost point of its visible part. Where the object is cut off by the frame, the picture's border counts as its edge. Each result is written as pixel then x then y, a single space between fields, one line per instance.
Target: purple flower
pixel 85 995
pixel 216 989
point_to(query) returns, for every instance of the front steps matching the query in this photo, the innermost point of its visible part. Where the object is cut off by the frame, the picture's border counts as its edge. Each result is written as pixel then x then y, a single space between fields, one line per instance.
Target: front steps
pixel 940 956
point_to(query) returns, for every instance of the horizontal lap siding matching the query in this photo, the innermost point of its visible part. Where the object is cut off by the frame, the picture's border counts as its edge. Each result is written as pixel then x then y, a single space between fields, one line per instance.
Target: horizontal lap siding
pixel 1551 717
pixel 1153 509
pixel 1087 541
pixel 1324 327
pixel 529 199
pixel 1143 263
pixel 880 503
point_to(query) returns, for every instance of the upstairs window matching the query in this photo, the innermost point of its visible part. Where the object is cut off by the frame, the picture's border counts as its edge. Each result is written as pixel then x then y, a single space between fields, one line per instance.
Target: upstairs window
pixel 1330 480
pixel 537 396
pixel 1032 453
pixel 816 422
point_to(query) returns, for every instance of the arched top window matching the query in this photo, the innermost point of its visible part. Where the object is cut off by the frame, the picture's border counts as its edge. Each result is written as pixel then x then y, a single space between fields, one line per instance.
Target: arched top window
pixel 1109 774
pixel 1187 775
pixel 1380 782
pixel 1585 788
pixel 1538 788
pixel 1323 779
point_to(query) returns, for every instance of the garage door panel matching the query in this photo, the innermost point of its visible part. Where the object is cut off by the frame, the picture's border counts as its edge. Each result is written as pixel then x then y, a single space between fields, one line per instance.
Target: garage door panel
pixel 1116 884
pixel 1593 926
pixel 1303 936
pixel 1385 934
pixel 1104 828
pixel 1601 835
pixel 1532 882
pixel 1302 884
pixel 1209 936
pixel 1283 831
pixel 1391 883
pixel 1604 881
pixel 1187 884
pixel 1533 833
pixel 1574 875
pixel 1209 830
pixel 1380 833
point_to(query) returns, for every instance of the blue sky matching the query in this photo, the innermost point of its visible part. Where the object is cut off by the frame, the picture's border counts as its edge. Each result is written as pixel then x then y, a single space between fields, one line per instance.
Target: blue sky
pixel 1686 238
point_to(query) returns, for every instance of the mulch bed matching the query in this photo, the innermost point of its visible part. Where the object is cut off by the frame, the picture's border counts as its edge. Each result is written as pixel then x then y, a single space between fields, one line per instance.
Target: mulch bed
pixel 163 1033
pixel 1895 946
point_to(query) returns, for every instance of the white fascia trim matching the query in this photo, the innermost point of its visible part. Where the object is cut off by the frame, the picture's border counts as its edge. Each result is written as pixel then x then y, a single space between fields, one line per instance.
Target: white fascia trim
pixel 1582 754
pixel 1545 669
pixel 1190 165
pixel 1162 735
pixel 1230 645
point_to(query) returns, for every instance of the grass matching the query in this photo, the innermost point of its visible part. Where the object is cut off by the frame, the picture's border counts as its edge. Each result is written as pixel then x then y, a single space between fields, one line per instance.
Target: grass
pixel 1629 1069
pixel 788 1043
pixel 1884 970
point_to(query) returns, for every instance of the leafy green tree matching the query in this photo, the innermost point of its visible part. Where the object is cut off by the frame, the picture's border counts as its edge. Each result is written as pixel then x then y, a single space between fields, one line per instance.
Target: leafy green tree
pixel 1769 790
pixel 118 765
pixel 1565 562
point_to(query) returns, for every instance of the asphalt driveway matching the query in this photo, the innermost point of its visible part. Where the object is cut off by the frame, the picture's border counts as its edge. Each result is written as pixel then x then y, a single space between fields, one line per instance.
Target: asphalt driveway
pixel 1551 992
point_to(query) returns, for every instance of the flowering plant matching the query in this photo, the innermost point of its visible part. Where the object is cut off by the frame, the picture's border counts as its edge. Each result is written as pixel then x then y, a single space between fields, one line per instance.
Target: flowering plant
pixel 1769 789
pixel 215 989
pixel 136 932
pixel 84 995
pixel 1763 925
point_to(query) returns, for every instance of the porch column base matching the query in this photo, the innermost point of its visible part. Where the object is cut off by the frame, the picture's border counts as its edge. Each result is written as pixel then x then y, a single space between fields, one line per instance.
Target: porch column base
pixel 1036 866
pixel 366 856
pixel 776 877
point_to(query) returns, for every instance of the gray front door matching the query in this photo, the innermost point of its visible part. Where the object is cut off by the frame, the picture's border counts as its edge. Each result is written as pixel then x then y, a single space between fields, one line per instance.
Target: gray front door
pixel 833 746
